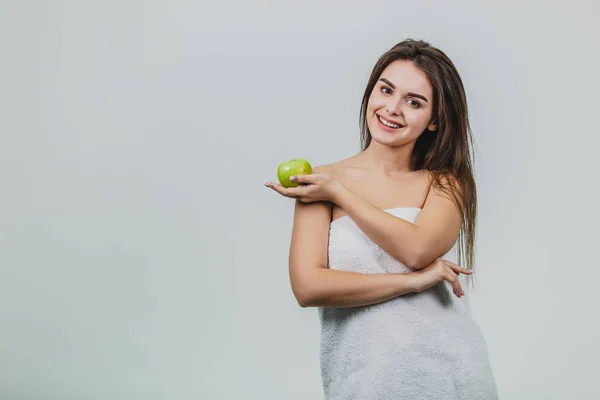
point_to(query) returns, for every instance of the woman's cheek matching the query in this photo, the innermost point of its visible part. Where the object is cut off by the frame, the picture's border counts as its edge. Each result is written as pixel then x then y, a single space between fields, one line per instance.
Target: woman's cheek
pixel 375 102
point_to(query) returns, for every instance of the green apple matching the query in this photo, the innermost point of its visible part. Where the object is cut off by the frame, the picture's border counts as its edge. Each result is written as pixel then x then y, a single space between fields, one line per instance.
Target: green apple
pixel 296 166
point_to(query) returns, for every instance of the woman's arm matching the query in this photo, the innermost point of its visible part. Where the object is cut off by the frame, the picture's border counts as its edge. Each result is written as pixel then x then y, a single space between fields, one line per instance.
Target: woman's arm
pixel 333 288
pixel 415 245
pixel 315 285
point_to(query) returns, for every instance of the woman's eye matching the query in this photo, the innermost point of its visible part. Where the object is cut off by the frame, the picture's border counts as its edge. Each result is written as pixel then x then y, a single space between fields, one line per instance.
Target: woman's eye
pixel 415 103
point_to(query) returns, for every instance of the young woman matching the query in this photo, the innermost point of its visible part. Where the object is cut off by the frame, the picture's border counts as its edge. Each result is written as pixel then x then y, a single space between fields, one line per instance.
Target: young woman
pixel 375 238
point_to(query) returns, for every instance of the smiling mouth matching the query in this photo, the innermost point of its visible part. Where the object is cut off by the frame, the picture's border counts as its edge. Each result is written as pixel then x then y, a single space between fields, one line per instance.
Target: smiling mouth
pixel 388 124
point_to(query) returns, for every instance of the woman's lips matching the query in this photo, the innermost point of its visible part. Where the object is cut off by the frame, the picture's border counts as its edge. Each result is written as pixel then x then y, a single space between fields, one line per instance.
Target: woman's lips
pixel 385 127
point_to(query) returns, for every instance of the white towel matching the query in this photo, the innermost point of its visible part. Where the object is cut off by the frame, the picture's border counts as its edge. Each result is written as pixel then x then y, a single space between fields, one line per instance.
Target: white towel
pixel 416 346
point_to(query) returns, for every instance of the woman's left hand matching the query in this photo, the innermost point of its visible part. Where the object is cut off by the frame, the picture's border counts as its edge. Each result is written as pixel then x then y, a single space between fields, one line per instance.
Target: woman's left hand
pixel 313 187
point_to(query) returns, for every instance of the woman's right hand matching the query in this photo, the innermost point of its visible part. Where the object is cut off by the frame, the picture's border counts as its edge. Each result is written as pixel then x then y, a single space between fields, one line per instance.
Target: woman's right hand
pixel 439 270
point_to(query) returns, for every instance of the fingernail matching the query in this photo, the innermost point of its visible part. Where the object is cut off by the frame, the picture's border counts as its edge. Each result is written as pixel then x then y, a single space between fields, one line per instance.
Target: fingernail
pixel 292 178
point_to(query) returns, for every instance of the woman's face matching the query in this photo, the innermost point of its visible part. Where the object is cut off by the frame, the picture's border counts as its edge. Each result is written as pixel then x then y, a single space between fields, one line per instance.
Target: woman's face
pixel 402 96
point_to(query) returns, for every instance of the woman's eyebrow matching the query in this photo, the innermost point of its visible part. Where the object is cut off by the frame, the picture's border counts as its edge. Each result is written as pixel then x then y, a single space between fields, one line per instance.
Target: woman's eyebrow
pixel 420 96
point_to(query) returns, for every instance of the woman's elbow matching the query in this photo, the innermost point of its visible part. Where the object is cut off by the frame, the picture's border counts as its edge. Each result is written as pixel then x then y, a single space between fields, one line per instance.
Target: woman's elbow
pixel 304 296
pixel 421 259
pixel 417 260
pixel 303 299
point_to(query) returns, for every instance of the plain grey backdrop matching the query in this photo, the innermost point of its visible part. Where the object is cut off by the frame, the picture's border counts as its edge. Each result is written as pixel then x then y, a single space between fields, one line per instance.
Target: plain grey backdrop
pixel 141 257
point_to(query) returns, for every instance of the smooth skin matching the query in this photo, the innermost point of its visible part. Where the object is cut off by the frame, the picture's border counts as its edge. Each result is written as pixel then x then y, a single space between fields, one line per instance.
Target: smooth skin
pixel 362 187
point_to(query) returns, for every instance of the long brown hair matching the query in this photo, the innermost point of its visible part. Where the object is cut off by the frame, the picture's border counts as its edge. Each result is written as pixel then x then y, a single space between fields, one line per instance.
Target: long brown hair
pixel 446 152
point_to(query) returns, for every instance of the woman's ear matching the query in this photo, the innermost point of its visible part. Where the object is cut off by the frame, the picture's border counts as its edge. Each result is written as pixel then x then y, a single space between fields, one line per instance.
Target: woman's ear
pixel 432 126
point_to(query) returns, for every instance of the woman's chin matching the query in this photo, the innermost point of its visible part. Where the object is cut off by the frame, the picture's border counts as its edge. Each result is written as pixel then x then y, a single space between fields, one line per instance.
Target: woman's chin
pixel 384 137
pixel 389 140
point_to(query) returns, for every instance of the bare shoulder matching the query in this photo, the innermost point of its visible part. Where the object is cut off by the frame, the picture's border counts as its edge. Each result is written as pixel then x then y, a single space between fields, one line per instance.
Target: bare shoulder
pixel 318 213
pixel 440 208
pixel 326 168
pixel 446 185
pixel 338 169
pixel 312 219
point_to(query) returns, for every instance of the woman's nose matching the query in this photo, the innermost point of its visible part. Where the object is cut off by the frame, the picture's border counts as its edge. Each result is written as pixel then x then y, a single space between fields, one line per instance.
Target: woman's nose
pixel 393 108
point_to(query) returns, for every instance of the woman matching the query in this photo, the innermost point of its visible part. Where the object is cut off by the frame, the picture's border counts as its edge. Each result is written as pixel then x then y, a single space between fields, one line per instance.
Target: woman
pixel 375 237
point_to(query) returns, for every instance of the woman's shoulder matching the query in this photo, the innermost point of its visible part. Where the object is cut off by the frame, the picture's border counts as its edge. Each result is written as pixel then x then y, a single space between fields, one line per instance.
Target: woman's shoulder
pixel 351 169
pixel 338 168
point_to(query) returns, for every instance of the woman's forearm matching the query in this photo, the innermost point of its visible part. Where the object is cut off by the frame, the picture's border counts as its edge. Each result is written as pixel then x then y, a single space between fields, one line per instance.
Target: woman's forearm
pixel 335 288
pixel 396 236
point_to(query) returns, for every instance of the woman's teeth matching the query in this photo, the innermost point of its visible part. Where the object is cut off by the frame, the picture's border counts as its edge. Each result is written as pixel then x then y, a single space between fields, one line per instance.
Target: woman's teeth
pixel 388 124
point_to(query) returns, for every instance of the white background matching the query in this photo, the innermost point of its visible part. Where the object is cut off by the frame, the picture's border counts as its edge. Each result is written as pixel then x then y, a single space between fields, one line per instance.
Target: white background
pixel 141 257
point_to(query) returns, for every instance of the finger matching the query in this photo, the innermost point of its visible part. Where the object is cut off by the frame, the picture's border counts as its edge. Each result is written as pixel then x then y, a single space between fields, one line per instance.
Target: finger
pixel 456 287
pixel 451 267
pixel 457 268
pixel 304 178
pixel 291 192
